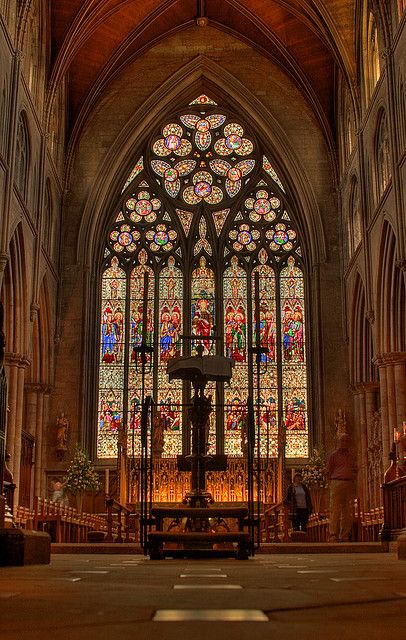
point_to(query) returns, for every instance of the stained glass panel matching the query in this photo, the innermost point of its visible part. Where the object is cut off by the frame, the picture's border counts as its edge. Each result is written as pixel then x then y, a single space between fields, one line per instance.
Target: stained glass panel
pixel 203 158
pixel 235 339
pixel 294 360
pixel 266 402
pixel 111 359
pixel 134 173
pixel 271 171
pixel 170 311
pixel 138 335
pixel 203 305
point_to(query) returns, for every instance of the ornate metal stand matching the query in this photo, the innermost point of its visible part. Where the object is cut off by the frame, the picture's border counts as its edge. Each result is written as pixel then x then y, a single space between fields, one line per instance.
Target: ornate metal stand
pixel 200 370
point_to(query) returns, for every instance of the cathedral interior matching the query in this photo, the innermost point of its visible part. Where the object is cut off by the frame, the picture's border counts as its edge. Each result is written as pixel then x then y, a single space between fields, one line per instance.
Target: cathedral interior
pixel 187 177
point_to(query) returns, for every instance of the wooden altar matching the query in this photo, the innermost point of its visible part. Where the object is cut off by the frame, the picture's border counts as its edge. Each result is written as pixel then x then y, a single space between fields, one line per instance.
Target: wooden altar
pixel 171 485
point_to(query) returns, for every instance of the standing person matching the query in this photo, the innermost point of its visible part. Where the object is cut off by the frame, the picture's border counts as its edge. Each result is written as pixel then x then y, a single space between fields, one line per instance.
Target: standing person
pixel 341 474
pixel 299 501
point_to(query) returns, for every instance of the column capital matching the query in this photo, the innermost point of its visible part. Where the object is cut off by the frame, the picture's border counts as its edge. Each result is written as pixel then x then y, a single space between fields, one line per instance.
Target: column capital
pixel 37 387
pixel 401 264
pixel 390 358
pixel 16 360
pixel 366 387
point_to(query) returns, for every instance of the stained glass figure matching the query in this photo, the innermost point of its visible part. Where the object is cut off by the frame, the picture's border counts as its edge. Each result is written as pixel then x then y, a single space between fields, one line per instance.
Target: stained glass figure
pixel 136 308
pixel 294 359
pixel 235 340
pixel 203 304
pixel 170 311
pixel 111 359
pixel 267 400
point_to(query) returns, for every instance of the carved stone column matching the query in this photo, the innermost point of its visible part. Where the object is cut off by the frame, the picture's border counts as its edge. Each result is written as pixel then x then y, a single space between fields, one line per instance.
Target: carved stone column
pixel 392 374
pixel 361 437
pixel 40 481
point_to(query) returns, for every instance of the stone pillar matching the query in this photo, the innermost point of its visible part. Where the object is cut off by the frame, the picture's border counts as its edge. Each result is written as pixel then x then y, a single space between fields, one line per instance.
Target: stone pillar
pixel 387 437
pixel 372 484
pixel 41 486
pixel 16 365
pixel 11 363
pixel 38 440
pixel 400 384
pixel 30 408
pixel 392 372
pixel 362 459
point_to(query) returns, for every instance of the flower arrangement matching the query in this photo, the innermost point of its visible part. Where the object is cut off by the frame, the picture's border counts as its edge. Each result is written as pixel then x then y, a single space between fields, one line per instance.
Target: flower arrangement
pixel 314 473
pixel 81 475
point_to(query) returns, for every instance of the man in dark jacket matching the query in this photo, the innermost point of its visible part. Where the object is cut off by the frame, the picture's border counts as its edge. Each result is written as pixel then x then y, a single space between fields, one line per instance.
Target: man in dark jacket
pixel 299 501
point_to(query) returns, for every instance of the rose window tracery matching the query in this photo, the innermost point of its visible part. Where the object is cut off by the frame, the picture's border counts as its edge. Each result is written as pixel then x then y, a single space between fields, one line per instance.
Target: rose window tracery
pixel 281 237
pixel 142 207
pixel 125 238
pixel 263 207
pixel 208 144
pixel 161 238
pixel 244 238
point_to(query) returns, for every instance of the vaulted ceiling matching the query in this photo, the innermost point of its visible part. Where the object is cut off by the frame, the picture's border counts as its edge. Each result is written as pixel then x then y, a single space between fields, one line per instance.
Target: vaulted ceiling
pixel 93 39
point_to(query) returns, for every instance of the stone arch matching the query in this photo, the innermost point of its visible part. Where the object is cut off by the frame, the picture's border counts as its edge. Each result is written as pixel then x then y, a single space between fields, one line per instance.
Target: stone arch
pixel 22 155
pixel 391 295
pixel 361 341
pixel 196 77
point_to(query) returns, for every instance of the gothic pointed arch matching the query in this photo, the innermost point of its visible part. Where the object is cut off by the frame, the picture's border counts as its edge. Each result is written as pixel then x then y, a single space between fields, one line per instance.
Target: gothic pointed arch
pixel 391 295
pixel 202 215
pixel 361 337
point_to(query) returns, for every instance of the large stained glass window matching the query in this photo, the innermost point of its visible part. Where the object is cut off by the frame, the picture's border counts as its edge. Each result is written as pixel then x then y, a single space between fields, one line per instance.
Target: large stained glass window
pixel 202 231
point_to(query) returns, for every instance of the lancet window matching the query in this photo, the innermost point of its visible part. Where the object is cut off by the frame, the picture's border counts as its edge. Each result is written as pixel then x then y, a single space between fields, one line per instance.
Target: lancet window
pixel 201 243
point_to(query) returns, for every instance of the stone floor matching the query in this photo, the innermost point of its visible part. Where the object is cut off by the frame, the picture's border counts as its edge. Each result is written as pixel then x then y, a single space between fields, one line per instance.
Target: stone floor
pixel 296 596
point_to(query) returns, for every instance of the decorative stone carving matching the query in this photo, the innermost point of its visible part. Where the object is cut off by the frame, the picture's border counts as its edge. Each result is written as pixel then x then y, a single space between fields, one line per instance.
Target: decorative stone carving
pixel 340 422
pixel 62 430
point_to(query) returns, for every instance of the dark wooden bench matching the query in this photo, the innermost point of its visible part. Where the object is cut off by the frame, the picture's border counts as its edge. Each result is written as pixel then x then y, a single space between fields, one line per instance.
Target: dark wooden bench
pixel 190 541
pixel 195 513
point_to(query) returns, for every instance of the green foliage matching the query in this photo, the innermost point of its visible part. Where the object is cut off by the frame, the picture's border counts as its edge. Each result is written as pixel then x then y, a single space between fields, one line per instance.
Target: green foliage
pixel 314 473
pixel 81 475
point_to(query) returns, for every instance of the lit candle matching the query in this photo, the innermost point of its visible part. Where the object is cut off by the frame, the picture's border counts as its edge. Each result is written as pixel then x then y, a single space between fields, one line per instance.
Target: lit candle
pixel 107 481
pixel 404 427
pixel 396 435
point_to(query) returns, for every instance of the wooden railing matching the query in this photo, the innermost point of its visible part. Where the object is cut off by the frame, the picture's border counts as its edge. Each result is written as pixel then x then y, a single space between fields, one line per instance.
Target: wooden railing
pixel 120 520
pixel 8 490
pixel 276 525
pixel 394 506
pixel 65 524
